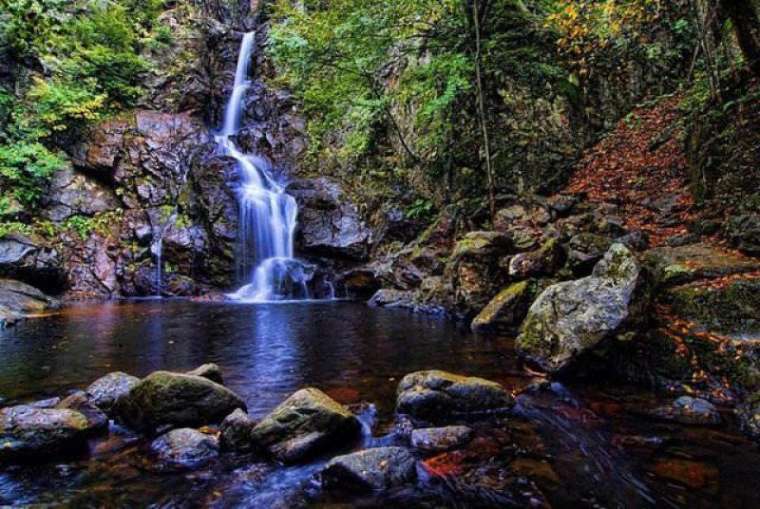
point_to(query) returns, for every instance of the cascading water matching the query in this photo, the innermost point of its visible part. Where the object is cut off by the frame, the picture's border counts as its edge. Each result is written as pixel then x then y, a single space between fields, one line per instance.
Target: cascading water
pixel 267 214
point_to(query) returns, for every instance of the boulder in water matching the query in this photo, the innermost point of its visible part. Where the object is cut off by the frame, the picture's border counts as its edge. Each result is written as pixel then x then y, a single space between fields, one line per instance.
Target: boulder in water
pixel 31 433
pixel 236 432
pixel 573 317
pixel 435 395
pixel 174 399
pixel 306 423
pixel 209 371
pixel 371 469
pixel 18 300
pixel 506 311
pixel 107 390
pixel 185 448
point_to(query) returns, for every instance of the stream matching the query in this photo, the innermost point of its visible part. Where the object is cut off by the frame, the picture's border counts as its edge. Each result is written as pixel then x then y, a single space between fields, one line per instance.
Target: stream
pixel 580 445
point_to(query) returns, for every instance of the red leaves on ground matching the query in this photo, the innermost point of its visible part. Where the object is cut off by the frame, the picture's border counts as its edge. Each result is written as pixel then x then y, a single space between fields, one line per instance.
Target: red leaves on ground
pixel 641 167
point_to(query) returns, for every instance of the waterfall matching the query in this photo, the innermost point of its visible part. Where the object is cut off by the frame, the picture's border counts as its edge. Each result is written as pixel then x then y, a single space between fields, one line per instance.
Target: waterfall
pixel 267 214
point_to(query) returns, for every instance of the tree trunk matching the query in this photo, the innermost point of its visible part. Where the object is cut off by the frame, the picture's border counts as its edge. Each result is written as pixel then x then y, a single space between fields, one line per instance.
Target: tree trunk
pixel 747 26
pixel 482 111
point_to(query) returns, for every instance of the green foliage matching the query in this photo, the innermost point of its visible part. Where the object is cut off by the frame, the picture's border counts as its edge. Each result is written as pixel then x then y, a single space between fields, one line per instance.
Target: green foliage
pixel 420 209
pixel 90 50
pixel 24 169
pixel 59 106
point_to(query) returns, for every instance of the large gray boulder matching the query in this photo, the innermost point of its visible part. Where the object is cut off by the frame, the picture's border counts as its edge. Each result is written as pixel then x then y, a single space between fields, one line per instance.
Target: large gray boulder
pixel 107 390
pixel 434 395
pixel 306 423
pixel 573 317
pixel 176 400
pixel 371 469
pixel 185 448
pixel 28 432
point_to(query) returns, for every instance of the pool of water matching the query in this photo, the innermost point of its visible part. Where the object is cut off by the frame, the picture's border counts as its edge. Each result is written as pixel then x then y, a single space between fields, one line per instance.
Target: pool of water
pixel 584 445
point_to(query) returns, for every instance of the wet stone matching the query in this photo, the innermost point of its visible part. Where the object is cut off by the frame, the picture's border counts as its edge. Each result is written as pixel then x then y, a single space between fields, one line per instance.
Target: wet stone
pixel 107 390
pixel 185 448
pixel 235 432
pixel 440 439
pixel 688 410
pixel 31 433
pixel 371 469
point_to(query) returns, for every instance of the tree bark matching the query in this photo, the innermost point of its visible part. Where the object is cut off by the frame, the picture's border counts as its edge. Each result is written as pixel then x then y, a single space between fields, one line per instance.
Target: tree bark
pixel 482 111
pixel 744 17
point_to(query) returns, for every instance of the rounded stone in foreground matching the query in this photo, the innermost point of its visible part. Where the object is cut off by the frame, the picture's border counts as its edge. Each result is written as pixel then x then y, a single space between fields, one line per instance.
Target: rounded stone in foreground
pixel 31 433
pixel 235 432
pixel 307 423
pixel 371 469
pixel 185 448
pixel 177 400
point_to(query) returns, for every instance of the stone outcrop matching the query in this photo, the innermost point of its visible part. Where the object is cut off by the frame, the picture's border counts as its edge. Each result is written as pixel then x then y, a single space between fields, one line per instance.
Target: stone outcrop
pixel 435 395
pixel 176 400
pixel 507 310
pixel 306 423
pixel 18 300
pixel 31 261
pixel 571 318
pixel 329 224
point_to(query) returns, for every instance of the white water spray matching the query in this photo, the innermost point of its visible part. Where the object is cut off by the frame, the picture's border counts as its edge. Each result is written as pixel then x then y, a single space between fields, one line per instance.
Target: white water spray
pixel 267 214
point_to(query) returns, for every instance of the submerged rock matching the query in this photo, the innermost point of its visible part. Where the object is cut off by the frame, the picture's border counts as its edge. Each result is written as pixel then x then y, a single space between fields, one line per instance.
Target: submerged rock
pixel 185 448
pixel 390 298
pixel 688 410
pixel 236 432
pixel 440 439
pixel 31 433
pixel 306 423
pixel 174 399
pixel 433 395
pixel 106 391
pixel 371 469
pixel 573 317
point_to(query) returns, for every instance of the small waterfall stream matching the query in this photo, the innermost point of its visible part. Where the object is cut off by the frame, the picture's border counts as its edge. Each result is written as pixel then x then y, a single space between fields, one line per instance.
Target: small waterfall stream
pixel 267 214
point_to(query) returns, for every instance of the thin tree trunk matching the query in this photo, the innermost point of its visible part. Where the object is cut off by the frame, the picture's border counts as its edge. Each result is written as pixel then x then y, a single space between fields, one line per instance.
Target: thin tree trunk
pixel 482 112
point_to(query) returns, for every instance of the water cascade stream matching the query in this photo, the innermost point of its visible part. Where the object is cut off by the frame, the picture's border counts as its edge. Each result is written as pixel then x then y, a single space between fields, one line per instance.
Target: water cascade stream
pixel 267 214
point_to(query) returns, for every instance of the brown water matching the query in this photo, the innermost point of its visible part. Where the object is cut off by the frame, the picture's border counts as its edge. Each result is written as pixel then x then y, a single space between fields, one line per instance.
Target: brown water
pixel 579 446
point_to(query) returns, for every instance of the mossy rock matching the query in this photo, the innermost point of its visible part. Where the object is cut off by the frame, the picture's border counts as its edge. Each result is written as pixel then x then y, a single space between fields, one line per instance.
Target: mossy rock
pixel 507 310
pixel 732 309
pixel 171 399
pixel 435 395
pixel 684 264
pixel 31 433
pixel 305 424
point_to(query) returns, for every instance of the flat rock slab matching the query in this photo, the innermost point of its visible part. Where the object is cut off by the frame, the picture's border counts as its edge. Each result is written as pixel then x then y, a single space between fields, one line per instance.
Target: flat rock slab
pixel 435 394
pixel 440 439
pixel 688 410
pixel 371 469
pixel 684 264
pixel 305 424
pixel 185 448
